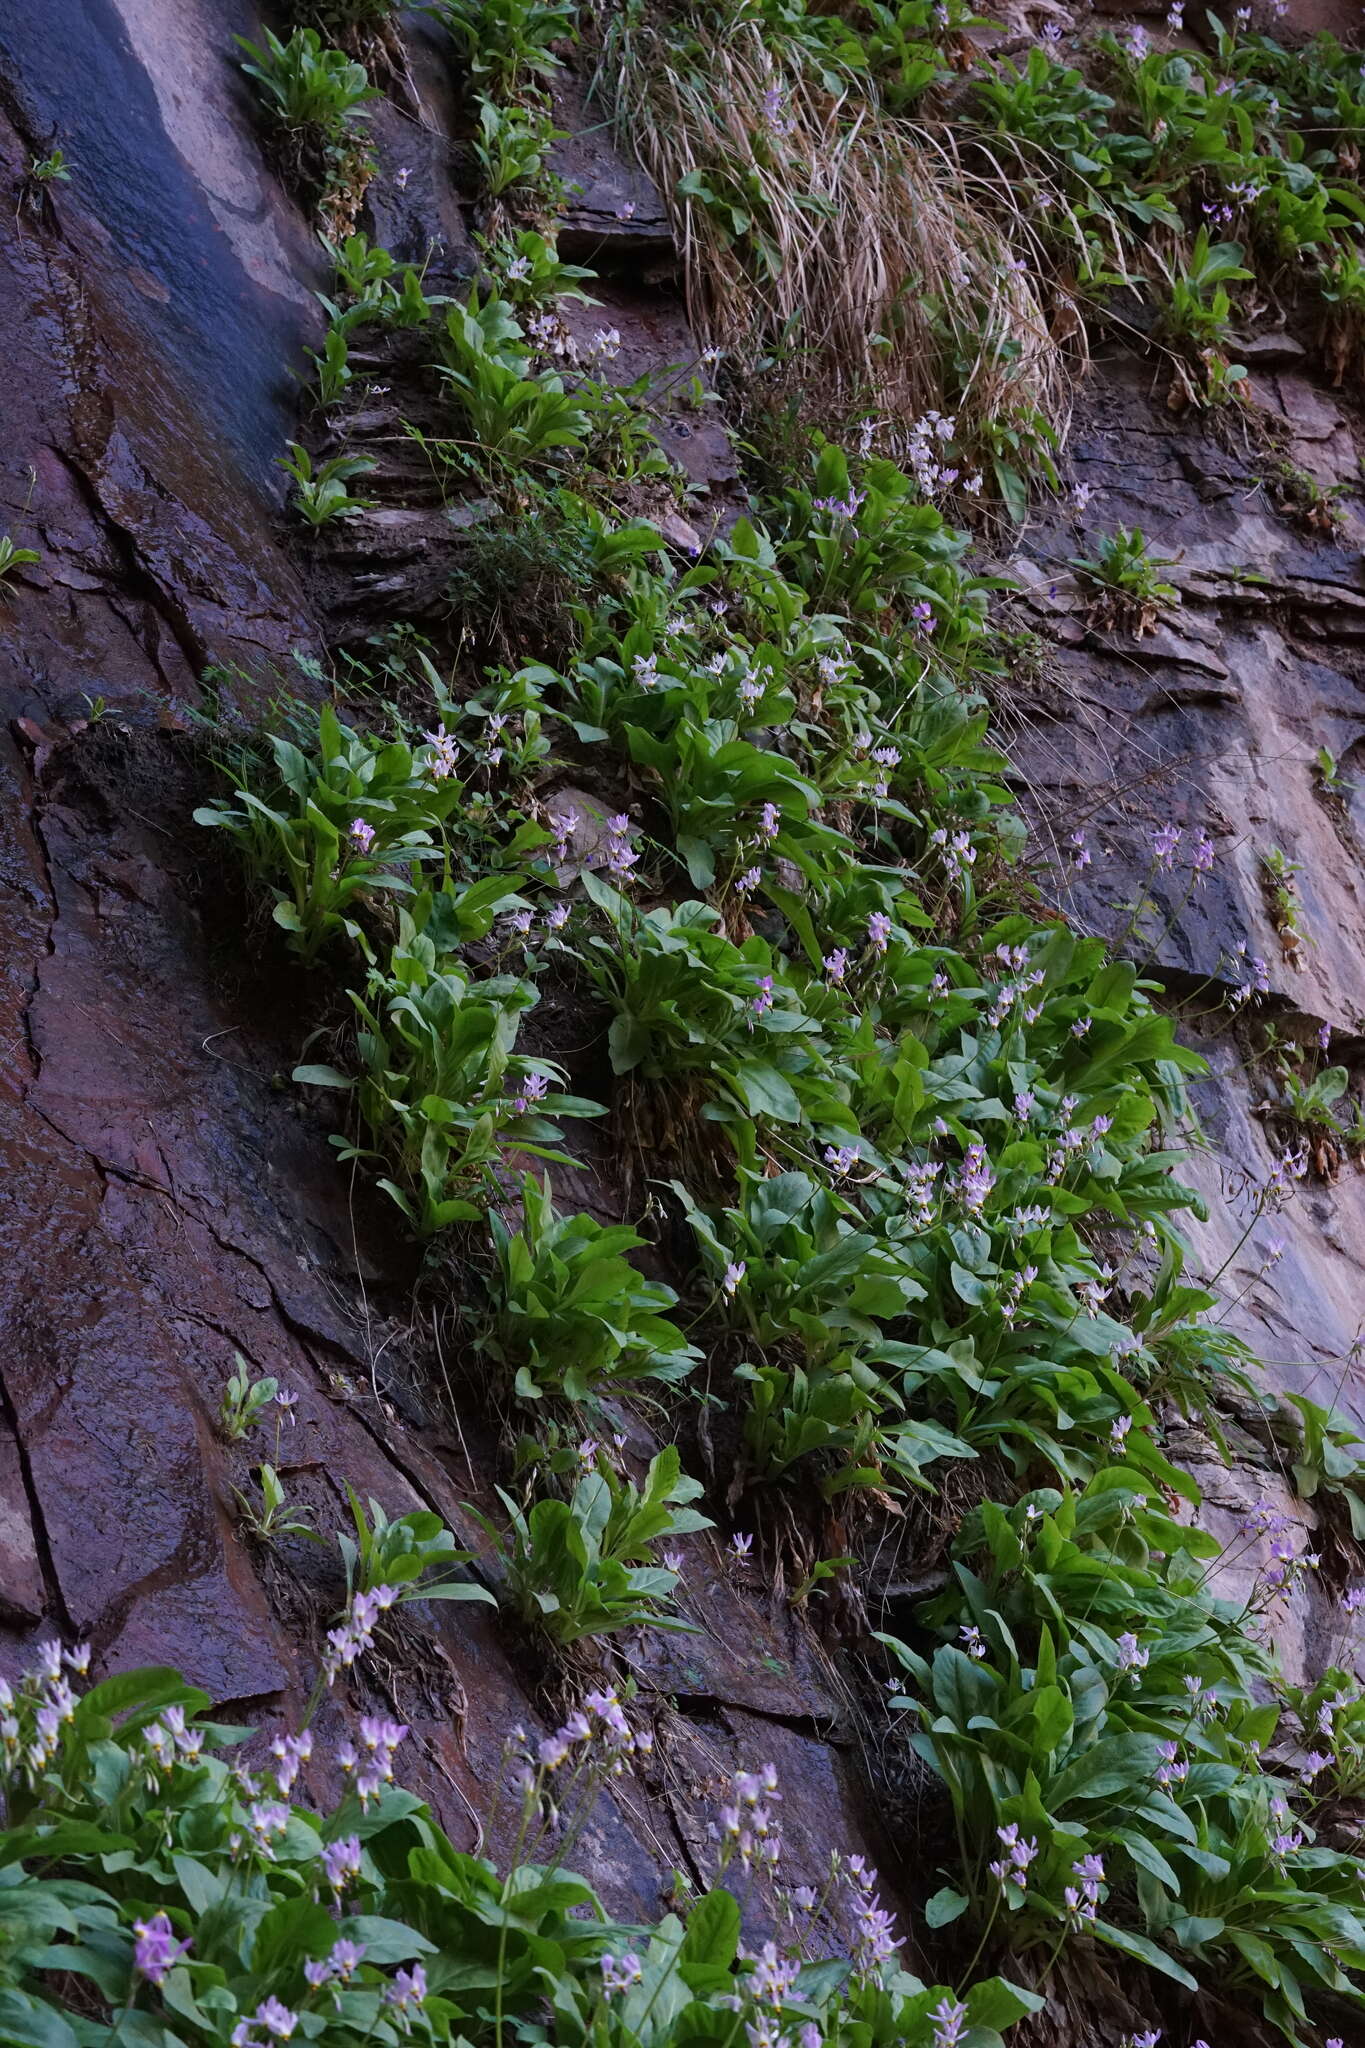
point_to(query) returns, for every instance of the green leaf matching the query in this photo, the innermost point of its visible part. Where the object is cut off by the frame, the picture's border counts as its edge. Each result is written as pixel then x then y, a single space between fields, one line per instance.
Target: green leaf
pixel 945 1906
pixel 767 1093
pixel 712 1930
pixel 1144 1951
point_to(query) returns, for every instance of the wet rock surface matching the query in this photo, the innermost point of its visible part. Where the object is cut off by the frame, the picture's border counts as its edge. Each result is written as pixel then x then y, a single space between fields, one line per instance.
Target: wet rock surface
pixel 1213 723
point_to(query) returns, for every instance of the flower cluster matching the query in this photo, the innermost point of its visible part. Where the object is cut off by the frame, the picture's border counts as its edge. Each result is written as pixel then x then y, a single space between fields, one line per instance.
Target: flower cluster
pixel 440 761
pixel 354 1635
pixel 620 1974
pixel 372 1765
pixel 958 853
pixel 338 1966
pixel 598 1730
pixel 33 1716
pixel 874 1942
pixel 155 1949
pixel 617 854
pixel 1083 1899
pixel 1010 1871
pixel 747 1825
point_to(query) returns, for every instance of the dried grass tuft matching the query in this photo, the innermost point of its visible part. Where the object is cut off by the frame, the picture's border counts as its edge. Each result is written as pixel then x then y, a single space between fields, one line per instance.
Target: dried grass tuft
pixel 866 239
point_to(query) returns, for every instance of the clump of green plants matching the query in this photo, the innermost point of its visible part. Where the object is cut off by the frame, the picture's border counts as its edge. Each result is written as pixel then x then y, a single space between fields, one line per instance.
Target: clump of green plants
pixel 362 1922
pixel 585 1566
pixel 1331 781
pixel 321 493
pixel 412 1555
pixel 52 169
pixel 512 150
pixel 314 96
pixel 1329 1461
pixel 304 84
pixel 1126 581
pixel 568 1313
pixel 441 1092
pixel 504 45
pixel 351 818
pixel 274 1516
pixel 245 1401
pixel 1096 1726
pixel 1282 901
pixel 1197 318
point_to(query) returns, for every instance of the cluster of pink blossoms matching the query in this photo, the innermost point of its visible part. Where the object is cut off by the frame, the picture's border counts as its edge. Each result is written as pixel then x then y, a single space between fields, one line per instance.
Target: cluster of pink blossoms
pixel 354 1635
pixel 747 1825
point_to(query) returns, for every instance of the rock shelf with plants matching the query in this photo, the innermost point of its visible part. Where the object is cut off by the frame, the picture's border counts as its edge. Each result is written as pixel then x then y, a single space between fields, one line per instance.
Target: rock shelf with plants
pixel 677 829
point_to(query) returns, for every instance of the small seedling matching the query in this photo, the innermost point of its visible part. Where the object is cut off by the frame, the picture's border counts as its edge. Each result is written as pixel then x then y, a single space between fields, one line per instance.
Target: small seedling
pixel 12 558
pixel 50 170
pixel 274 1517
pixel 321 494
pixel 244 1401
pixel 1277 880
pixel 1126 581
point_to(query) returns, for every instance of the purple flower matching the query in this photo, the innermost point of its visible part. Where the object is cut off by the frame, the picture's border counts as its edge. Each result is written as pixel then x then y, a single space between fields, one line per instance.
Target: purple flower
pixel 769 821
pixel 619 1976
pixel 1164 844
pixel 1131 1655
pixel 276 2018
pixel 976 1179
pixel 530 1088
pixel 409 1987
pixel 1013 1868
pixel 343 1962
pixel 949 2019
pixel 360 835
pixel 156 1950
pixel 292 1750
pixel 381 1734
pixel 878 931
pixel 1171 1770
pixel 441 761
pixel 733 1275
pixel 740 1547
pixel 836 964
pixel 763 1001
pixel 341 1861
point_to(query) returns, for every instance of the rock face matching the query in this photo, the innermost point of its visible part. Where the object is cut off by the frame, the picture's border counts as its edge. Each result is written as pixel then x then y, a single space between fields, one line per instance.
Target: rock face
pixel 165 1205
pixel 1214 723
